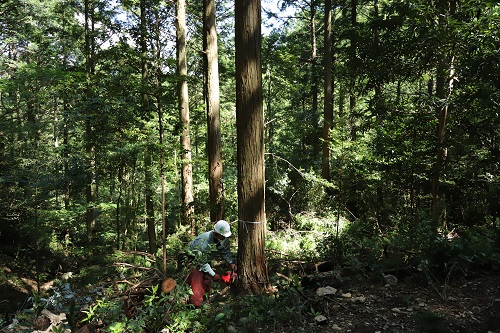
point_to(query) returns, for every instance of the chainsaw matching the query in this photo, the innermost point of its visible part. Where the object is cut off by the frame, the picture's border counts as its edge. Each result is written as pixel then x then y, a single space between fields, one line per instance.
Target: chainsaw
pixel 230 277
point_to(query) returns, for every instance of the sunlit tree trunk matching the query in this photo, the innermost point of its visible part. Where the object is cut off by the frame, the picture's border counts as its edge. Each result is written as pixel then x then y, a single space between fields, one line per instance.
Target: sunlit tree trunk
pixel 444 88
pixel 314 74
pixel 445 78
pixel 183 104
pixel 252 270
pixel 212 98
pixel 91 189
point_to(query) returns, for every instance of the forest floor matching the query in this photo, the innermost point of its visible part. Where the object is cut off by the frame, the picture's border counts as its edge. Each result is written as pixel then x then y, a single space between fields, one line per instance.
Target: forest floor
pixel 413 304
pixel 462 305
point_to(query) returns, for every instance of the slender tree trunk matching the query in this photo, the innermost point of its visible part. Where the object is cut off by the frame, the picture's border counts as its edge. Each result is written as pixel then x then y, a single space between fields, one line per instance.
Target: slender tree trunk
pixel 118 203
pixel 328 92
pixel 91 190
pixel 353 64
pixel 57 198
pixel 380 211
pixel 212 97
pixel 187 168
pixel 443 92
pixel 314 76
pixel 159 108
pixel 150 216
pixel 250 145
pixel 66 154
pixel 445 78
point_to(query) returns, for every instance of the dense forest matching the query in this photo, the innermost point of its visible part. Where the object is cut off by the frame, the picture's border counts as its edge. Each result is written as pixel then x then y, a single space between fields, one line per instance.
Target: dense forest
pixel 347 142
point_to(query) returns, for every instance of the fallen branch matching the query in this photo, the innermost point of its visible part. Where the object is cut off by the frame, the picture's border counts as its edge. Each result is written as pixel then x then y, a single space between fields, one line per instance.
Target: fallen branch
pixel 127 265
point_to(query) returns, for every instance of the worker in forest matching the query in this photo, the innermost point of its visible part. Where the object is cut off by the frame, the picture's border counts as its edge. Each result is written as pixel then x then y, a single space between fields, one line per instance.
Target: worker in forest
pixel 200 252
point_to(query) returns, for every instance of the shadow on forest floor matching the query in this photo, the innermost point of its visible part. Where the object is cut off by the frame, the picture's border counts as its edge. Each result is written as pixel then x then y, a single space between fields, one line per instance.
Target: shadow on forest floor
pixel 360 303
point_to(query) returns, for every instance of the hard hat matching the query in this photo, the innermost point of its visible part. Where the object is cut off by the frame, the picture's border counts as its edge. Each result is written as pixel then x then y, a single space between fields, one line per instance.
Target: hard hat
pixel 222 227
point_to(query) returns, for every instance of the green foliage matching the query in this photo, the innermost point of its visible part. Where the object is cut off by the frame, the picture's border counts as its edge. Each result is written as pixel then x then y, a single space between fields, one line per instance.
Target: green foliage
pixel 469 251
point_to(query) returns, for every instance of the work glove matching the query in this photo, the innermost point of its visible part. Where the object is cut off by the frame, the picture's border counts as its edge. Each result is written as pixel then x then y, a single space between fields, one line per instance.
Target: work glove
pixel 234 268
pixel 216 277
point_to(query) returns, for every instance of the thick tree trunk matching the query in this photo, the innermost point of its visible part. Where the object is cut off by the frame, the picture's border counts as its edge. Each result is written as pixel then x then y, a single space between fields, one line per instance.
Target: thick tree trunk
pixel 250 136
pixel 212 97
pixel 328 91
pixel 187 168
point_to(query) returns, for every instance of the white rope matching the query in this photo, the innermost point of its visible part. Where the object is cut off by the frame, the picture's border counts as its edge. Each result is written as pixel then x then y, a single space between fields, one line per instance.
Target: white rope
pixel 245 223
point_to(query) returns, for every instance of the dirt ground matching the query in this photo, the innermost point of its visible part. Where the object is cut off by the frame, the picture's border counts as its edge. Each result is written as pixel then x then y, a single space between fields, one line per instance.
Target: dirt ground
pixel 466 305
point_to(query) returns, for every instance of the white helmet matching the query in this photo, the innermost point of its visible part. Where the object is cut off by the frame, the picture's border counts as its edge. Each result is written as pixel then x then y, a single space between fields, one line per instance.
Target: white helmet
pixel 222 227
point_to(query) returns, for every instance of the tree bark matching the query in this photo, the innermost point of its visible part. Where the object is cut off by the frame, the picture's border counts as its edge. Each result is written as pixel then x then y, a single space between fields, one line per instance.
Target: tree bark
pixel 443 92
pixel 253 274
pixel 212 98
pixel 159 108
pixel 183 104
pixel 445 78
pixel 150 222
pixel 353 64
pixel 328 92
pixel 91 188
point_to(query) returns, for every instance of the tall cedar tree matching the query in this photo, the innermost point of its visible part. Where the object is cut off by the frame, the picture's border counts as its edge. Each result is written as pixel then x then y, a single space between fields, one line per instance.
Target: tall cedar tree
pixel 212 98
pixel 250 149
pixel 187 168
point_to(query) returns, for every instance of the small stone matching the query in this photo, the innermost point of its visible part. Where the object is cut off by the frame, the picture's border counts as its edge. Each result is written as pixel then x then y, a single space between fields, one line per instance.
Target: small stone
pixel 336 327
pixel 324 291
pixel 347 295
pixel 390 279
pixel 397 310
pixel 421 304
pixel 359 299
pixel 320 320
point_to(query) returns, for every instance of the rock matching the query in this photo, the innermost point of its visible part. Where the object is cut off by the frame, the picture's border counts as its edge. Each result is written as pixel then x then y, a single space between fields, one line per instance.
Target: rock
pixel 359 299
pixel 324 291
pixel 347 295
pixel 397 310
pixel 231 329
pixel 320 320
pixel 336 327
pixel 390 279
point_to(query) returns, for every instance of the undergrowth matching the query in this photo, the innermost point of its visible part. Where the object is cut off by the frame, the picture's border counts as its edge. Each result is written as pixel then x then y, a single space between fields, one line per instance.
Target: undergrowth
pixel 95 294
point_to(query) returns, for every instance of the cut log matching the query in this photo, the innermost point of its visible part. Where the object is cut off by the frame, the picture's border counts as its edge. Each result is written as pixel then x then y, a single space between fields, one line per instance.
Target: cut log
pixel 167 285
